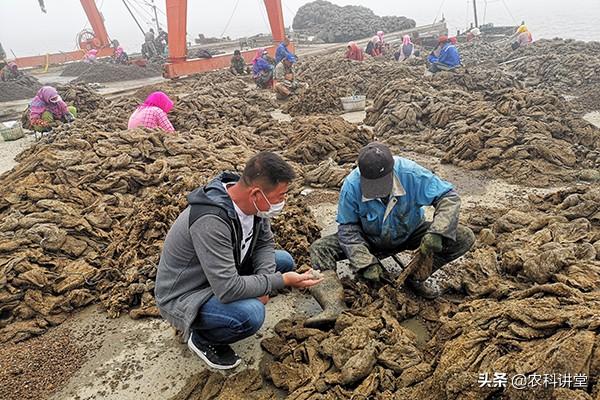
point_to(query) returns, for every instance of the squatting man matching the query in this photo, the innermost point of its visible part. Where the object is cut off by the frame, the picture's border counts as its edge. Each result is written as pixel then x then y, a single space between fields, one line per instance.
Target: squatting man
pixel 219 265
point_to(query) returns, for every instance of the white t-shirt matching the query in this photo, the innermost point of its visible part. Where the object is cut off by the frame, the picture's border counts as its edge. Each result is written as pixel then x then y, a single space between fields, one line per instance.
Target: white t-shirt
pixel 247 222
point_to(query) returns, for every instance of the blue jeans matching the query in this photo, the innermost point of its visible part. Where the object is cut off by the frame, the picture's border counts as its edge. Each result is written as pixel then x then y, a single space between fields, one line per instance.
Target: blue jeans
pixel 219 323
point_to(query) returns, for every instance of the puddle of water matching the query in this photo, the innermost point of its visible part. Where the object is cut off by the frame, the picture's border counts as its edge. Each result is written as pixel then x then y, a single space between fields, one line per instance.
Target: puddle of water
pixel 418 328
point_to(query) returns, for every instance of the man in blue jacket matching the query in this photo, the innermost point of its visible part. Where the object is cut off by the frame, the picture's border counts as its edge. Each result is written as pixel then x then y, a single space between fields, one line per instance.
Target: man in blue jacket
pixel 445 57
pixel 380 211
pixel 283 52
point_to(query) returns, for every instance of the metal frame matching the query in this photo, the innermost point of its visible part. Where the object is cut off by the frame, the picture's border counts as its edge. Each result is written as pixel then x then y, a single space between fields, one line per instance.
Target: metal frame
pixel 100 42
pixel 178 64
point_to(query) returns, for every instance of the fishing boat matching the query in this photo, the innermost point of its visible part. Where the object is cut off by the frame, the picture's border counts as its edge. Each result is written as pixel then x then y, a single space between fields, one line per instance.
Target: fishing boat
pixel 489 31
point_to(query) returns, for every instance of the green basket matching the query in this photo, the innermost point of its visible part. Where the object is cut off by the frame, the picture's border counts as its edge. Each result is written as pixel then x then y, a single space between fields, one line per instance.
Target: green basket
pixel 13 133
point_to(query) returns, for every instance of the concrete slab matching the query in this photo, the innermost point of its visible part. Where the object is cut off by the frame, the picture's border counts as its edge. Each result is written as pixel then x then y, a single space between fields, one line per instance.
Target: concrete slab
pixel 131 359
pixel 593 117
pixel 8 151
pixel 109 88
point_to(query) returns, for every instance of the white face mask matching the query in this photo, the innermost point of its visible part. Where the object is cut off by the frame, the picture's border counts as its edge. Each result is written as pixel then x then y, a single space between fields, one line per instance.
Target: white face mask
pixel 274 209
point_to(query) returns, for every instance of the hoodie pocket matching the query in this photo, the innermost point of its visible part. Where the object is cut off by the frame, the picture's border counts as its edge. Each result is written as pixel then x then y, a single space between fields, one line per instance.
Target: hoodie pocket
pixel 172 285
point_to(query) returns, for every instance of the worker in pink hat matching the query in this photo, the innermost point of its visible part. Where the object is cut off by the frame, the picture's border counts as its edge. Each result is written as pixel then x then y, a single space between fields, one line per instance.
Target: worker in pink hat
pixel 153 113
pixel 91 56
pixel 46 107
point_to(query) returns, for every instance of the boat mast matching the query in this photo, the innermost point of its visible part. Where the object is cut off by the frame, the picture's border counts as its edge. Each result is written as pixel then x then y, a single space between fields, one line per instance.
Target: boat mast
pixel 475 13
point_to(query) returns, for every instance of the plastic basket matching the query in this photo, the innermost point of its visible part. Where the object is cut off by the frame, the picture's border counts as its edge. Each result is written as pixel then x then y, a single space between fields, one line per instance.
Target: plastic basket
pixel 13 133
pixel 354 103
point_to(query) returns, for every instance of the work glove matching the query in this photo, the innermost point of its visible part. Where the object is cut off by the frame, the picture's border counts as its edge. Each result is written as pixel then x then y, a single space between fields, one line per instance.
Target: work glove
pixel 373 272
pixel 431 243
pixel 424 267
pixel 69 117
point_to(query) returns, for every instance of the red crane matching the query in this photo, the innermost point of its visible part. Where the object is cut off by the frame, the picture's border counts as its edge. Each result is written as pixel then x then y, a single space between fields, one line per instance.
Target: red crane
pixel 95 39
pixel 179 65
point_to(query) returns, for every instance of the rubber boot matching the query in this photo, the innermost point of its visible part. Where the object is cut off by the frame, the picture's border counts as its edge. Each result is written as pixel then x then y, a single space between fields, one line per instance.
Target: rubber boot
pixel 330 296
pixel 433 287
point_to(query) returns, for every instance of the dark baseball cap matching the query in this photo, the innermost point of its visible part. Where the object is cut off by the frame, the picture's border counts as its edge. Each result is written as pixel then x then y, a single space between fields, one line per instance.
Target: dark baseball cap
pixel 376 166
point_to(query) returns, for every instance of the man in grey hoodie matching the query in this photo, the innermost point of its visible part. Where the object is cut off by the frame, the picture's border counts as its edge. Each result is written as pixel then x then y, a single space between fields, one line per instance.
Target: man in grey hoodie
pixel 219 266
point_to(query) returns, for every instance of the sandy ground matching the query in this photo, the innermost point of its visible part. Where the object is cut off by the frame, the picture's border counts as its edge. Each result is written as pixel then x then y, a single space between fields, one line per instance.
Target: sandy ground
pixel 593 117
pixel 8 151
pixel 129 359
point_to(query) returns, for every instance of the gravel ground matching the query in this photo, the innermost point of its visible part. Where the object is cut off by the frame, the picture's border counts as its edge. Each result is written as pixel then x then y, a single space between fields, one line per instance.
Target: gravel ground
pixel 35 368
pixel 18 90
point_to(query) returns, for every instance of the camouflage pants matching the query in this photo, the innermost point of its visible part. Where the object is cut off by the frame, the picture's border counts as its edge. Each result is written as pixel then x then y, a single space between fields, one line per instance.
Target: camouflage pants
pixel 326 252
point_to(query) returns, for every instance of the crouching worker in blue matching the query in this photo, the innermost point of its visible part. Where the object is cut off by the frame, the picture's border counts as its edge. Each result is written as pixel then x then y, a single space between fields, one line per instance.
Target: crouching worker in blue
pixel 219 265
pixel 445 57
pixel 380 212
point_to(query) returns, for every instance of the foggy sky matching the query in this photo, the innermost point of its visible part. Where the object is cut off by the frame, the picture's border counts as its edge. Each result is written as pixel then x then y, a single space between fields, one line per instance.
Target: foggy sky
pixel 25 30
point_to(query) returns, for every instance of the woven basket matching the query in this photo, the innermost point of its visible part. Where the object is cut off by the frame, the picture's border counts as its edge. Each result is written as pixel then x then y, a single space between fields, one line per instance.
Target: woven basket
pixel 13 133
pixel 353 103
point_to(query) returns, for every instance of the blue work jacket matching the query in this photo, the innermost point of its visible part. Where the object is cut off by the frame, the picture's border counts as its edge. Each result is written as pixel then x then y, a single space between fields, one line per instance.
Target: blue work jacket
pixel 388 226
pixel 282 52
pixel 448 56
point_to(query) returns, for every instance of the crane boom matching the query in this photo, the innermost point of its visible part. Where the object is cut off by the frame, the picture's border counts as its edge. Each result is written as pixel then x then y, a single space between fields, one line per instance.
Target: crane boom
pixel 97 23
pixel 99 41
pixel 179 65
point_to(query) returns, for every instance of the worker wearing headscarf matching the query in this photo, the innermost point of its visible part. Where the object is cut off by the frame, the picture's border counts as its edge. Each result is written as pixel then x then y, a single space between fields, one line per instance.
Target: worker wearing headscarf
pixel 442 40
pixel 120 57
pixel 153 113
pixel 46 107
pixel 407 50
pixel 374 46
pixel 354 52
pixel 473 34
pixel 10 72
pixel 448 57
pixel 262 70
pixel 523 37
pixel 283 52
pixel 383 46
pixel 91 56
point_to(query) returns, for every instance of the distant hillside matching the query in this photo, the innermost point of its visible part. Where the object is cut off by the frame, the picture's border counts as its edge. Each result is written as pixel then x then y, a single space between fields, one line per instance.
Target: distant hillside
pixel 332 23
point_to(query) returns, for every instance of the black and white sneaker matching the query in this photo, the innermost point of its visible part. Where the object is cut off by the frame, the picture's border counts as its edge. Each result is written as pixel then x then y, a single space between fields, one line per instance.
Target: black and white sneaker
pixel 219 356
